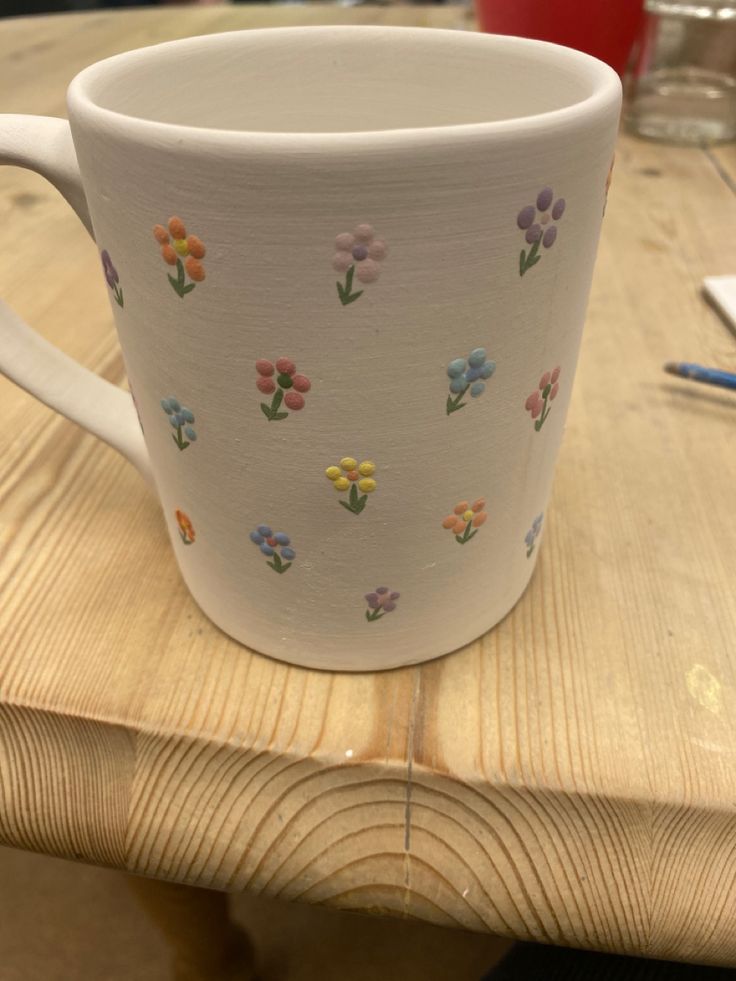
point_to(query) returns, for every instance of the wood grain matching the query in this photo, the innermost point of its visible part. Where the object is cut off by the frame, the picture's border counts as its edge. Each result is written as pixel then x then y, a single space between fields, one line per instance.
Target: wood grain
pixel 567 778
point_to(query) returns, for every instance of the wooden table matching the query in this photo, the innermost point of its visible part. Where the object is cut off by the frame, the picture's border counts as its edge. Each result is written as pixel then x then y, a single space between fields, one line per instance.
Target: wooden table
pixel 568 778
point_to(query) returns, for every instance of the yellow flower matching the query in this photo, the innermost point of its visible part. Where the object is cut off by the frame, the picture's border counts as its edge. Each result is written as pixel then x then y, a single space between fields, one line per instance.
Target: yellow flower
pixel 353 476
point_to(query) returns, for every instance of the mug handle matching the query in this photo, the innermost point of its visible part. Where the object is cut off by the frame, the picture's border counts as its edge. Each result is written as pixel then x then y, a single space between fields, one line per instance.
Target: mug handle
pixel 44 144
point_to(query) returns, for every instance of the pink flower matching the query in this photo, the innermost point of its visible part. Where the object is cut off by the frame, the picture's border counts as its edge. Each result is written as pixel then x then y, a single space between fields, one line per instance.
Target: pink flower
pixel 361 249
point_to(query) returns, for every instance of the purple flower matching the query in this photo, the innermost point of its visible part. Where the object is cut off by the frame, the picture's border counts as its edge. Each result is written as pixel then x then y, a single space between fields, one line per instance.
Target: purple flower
pixel 380 602
pixel 111 273
pixel 535 221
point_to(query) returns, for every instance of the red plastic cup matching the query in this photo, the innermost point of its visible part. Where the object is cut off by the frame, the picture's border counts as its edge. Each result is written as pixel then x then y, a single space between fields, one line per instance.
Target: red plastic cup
pixel 606 29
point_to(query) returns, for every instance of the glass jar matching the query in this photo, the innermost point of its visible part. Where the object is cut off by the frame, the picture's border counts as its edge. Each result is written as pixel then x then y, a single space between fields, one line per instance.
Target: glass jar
pixel 684 84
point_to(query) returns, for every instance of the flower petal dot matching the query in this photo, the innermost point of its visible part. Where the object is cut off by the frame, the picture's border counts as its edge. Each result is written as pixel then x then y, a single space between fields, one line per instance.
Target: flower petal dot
pixel 285 366
pixel 266 548
pixel 264 530
pixel 479 504
pixel 288 553
pixel 461 507
pixel 160 234
pixel 548 239
pixel 544 198
pixel 294 401
pixel 555 390
pixel 342 483
pixel 533 234
pixel 364 233
pixel 301 383
pixel 344 241
pixel 266 385
pixel 377 250
pixel 367 468
pixel 544 380
pixel 348 463
pixel 256 537
pixel 458 385
pixel 176 228
pixel 456 368
pixel 559 208
pixel 195 269
pixel 477 388
pixel 477 357
pixel 264 367
pixel 367 485
pixel 479 519
pixel 342 261
pixel 168 254
pixel 196 247
pixel 368 271
pixel 555 375
pixel 381 590
pixel 449 521
pixel 526 217
pixel 487 370
pixel 332 473
pixel 282 538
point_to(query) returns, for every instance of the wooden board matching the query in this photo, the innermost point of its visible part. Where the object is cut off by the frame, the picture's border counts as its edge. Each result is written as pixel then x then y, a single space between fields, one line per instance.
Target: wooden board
pixel 567 778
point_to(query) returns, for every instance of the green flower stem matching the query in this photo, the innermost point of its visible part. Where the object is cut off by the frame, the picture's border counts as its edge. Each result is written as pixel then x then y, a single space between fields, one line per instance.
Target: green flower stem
pixel 185 538
pixel 545 410
pixel 355 502
pixel 346 292
pixel 179 439
pixel 467 534
pixel 455 404
pixel 529 551
pixel 118 294
pixel 271 412
pixel 178 284
pixel 527 261
pixel 278 565
pixel 372 615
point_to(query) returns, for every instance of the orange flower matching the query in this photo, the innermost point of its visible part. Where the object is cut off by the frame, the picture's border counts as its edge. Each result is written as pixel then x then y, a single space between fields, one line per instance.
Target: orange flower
pixel 183 251
pixel 186 529
pixel 465 517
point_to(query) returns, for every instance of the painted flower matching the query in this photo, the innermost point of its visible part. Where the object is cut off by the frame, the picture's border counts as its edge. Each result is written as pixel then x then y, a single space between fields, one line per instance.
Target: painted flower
pixel 538 402
pixel 177 245
pixel 466 519
pixel 357 254
pixel 275 545
pixel 186 529
pixel 531 536
pixel 380 602
pixel 111 277
pixel 465 374
pixel 283 382
pixel 353 476
pixel 538 224
pixel 181 419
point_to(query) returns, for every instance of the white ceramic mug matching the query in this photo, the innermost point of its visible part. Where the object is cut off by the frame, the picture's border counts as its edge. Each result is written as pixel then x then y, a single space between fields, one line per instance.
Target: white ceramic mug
pixel 349 268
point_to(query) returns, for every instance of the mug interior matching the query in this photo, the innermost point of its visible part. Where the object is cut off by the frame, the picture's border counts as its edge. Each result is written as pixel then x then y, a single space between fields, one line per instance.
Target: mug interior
pixel 341 80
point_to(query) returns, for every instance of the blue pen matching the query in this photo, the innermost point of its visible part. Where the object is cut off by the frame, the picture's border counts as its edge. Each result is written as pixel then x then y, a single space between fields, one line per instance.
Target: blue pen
pixel 710 376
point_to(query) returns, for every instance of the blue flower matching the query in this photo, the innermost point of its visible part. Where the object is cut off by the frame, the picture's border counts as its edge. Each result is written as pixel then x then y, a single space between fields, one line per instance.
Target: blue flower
pixel 264 530
pixel 266 548
pixel 477 388
pixel 288 553
pixel 190 433
pixel 282 538
pixel 467 373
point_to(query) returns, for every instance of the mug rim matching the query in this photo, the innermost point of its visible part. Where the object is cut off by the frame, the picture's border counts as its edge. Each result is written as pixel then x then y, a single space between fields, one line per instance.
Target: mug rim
pixel 605 94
